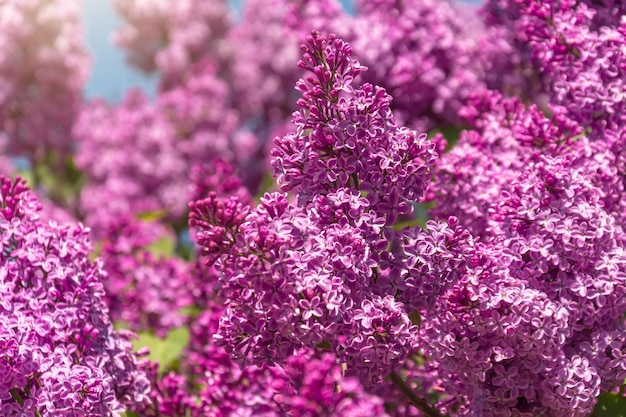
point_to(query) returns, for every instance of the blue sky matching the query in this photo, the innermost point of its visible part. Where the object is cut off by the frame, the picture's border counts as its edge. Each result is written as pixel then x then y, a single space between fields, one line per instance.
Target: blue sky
pixel 110 76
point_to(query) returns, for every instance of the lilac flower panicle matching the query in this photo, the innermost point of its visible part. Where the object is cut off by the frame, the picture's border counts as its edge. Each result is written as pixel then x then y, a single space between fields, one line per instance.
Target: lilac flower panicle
pixel 346 137
pixel 523 327
pixel 59 353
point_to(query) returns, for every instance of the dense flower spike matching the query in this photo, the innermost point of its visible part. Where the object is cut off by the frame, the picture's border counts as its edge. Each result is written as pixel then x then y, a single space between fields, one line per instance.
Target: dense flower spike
pixel 59 353
pixel 171 37
pixel 536 325
pixel 302 281
pixel 346 137
pixel 43 66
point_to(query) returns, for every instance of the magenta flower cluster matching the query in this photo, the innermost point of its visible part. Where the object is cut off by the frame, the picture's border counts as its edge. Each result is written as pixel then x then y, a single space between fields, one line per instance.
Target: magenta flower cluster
pixel 431 223
pixel 38 107
pixel 59 354
pixel 137 154
pixel 319 273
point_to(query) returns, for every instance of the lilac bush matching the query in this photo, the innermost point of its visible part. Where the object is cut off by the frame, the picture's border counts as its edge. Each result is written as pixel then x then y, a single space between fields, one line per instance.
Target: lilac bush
pixel 430 224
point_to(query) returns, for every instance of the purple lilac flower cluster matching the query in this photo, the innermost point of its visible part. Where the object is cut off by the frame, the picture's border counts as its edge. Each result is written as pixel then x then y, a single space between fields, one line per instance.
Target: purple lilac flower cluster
pixel 171 37
pixel 137 154
pixel 535 326
pixel 576 48
pixel 320 273
pixel 324 297
pixel 158 288
pixel 424 53
pixel 59 354
pixel 43 66
pixel 309 384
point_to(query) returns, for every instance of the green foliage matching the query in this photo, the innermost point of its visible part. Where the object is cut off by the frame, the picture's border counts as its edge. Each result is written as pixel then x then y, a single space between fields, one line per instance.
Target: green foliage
pixel 451 133
pixel 151 216
pixel 610 405
pixel 164 247
pixel 416 318
pixel 267 184
pixel 165 351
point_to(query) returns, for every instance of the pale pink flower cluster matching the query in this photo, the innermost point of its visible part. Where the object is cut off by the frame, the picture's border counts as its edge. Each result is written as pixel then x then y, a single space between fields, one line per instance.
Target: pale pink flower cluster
pixel 43 67
pixel 170 36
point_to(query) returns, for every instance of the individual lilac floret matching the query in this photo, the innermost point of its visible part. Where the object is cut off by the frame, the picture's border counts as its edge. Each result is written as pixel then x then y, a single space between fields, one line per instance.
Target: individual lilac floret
pixel 59 354
pixel 346 137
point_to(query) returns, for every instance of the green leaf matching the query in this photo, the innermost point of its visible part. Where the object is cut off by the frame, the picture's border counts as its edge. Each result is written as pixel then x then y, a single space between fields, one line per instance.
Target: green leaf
pixel 190 311
pixel 151 216
pixel 416 318
pixel 163 247
pixel 324 346
pixel 451 133
pixel 28 176
pixel 610 405
pixel 164 351
pixel 96 251
pixel 267 184
pixel 410 223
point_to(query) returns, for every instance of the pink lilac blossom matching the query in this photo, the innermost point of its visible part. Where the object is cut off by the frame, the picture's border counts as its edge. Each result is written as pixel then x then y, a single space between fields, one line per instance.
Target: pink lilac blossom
pixel 331 270
pixel 575 50
pixel 586 67
pixel 346 136
pixel 59 354
pixel 428 55
pixel 470 177
pixel 310 384
pixel 137 155
pixel 290 283
pixel 423 54
pixel 527 327
pixel 145 290
pixel 534 326
pixel 43 67
pixel 171 37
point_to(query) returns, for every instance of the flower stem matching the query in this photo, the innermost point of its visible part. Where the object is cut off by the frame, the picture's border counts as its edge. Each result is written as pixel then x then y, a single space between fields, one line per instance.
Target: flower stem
pixel 418 402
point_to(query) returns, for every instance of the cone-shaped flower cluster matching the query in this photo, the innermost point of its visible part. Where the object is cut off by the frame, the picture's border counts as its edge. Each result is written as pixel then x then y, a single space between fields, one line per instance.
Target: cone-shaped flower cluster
pixel 331 271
